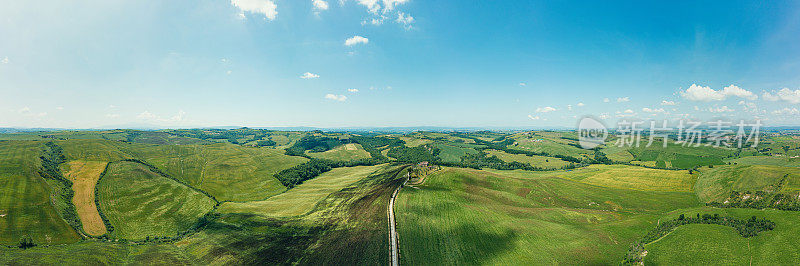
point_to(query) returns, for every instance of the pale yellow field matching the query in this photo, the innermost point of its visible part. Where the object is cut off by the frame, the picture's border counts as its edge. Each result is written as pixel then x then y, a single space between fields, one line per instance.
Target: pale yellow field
pixel 84 176
pixel 632 177
pixel 302 199
pixel 344 152
pixel 535 160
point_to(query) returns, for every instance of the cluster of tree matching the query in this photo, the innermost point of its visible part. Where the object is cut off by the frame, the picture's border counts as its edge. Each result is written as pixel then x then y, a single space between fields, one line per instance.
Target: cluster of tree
pixel 746 228
pixel 265 143
pixel 313 143
pixel 373 145
pixel 52 156
pixel 760 200
pixel 481 160
pixel 106 221
pixel 298 174
pixel 422 153
pixel 26 243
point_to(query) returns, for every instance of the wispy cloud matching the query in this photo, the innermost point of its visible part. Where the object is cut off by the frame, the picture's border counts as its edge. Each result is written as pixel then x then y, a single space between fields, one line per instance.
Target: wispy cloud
pixel 309 75
pixel 340 98
pixel 545 109
pixel 352 90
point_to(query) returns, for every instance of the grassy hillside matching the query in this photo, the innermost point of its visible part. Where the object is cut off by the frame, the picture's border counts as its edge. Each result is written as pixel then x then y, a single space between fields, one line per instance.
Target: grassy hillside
pixel 509 217
pixel 715 184
pixel 303 198
pixel 346 152
pixel 713 244
pixel 534 160
pixel 26 205
pixel 766 160
pixel 141 203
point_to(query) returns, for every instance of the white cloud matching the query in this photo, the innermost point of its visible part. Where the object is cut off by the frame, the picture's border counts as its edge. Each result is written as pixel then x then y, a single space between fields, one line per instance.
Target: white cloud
pixel 523 84
pixel 112 115
pixel 319 5
pixel 5 60
pixel 356 40
pixel 24 110
pixel 569 107
pixel 352 90
pixel 228 72
pixel 605 100
pixel 545 109
pixel 665 102
pixel 309 75
pixel 146 115
pixel 580 104
pixel 707 94
pixel 405 19
pixel 785 94
pixel 648 110
pixel 265 7
pixel 722 109
pixel 60 108
pixel 786 111
pixel 623 99
pixel 335 97
pixel 604 116
pixel 534 117
pixel 112 106
pixel 629 111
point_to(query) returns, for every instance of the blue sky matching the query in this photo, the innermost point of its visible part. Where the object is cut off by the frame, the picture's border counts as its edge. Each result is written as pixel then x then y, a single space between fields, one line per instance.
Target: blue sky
pixel 332 63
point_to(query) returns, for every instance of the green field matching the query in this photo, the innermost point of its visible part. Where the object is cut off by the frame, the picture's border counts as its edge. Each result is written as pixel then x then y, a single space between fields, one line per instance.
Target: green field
pixel 533 160
pixel 766 160
pixel 346 152
pixel 466 216
pixel 715 184
pixel 453 152
pixel 141 203
pixel 303 198
pixel 25 198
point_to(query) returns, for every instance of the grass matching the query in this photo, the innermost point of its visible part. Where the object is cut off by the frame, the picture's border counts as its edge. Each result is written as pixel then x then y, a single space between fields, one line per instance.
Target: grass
pixel 453 152
pixel 461 216
pixel 716 184
pixel 632 177
pixel 722 245
pixel 767 160
pixel 26 208
pixel 535 160
pixel 140 203
pixel 84 176
pixel 346 152
pixel 303 198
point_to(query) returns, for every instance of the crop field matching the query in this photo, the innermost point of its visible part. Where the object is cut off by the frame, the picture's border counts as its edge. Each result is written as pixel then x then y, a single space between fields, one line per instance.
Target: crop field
pixel 84 176
pixel 25 202
pixel 540 144
pixel 715 184
pixel 468 216
pixel 346 152
pixel 453 152
pixel 632 177
pixel 303 198
pixel 142 204
pixel 534 160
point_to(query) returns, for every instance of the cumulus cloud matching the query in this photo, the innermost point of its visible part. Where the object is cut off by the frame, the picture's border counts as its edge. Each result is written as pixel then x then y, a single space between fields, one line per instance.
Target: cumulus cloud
pixel 356 40
pixel 665 102
pixel 319 5
pixel 785 94
pixel 309 75
pixel 381 10
pixel 786 111
pixel 534 117
pixel 722 109
pixel 605 100
pixel 623 99
pixel 580 104
pixel 265 7
pixel 352 90
pixel 569 107
pixel 4 60
pixel 340 98
pixel 648 110
pixel 707 94
pixel 545 109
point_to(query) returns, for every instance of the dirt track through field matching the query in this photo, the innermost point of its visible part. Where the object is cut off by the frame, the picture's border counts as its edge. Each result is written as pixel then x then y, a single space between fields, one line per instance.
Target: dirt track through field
pixel 84 176
pixel 392 231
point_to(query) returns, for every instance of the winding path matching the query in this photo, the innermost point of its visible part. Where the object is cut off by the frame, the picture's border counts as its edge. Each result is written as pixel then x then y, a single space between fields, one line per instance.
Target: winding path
pixel 392 232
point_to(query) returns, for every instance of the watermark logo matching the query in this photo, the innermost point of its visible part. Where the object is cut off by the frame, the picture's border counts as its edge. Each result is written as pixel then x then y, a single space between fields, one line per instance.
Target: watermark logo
pixel 591 132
